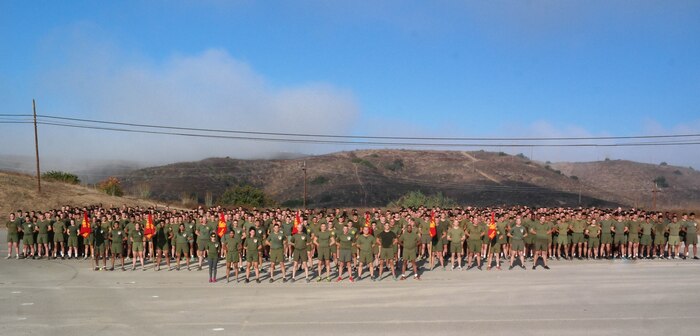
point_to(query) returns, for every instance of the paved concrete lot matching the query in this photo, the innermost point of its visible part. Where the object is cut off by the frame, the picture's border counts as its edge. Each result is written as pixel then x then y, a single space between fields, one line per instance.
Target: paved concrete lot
pixel 65 297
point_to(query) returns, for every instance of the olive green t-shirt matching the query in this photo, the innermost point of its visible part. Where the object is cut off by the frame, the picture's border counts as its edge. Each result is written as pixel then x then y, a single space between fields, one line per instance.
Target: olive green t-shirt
pixel 43 226
pixel 232 243
pixel 541 230
pixel 251 245
pixel 691 227
pixel 12 226
pixel 409 240
pixel 577 226
pixel 674 229
pixel 300 240
pixel 59 227
pixel 323 239
pixel 276 240
pixel 365 243
pixel 345 240
pixel 593 231
pixel 475 232
pixel 212 249
pixel 518 232
pixel 456 234
pixel 646 228
pixel 620 227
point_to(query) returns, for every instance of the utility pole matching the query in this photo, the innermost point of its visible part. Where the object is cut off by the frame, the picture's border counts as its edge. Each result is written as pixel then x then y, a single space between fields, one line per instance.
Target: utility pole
pixel 303 167
pixel 579 194
pixel 36 147
pixel 653 198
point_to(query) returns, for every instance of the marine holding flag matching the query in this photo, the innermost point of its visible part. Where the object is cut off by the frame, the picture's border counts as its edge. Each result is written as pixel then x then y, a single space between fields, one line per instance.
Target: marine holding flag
pixel 493 235
pixel 86 233
pixel 149 230
pixel 221 228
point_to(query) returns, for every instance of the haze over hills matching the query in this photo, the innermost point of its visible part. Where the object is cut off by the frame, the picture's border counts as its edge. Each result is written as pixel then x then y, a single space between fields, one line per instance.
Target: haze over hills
pixel 376 177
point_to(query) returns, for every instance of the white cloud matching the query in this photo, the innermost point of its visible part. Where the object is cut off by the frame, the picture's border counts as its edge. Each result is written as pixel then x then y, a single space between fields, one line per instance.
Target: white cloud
pixel 210 89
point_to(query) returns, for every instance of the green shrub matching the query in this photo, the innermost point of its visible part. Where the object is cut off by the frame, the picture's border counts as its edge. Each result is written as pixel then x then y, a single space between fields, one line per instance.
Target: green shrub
pixel 416 199
pixel 661 182
pixel 319 180
pixel 395 165
pixel 245 196
pixel 60 177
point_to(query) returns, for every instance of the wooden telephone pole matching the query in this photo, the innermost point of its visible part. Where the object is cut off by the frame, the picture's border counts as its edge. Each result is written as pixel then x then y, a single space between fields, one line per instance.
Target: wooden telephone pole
pixel 653 196
pixel 303 167
pixel 36 148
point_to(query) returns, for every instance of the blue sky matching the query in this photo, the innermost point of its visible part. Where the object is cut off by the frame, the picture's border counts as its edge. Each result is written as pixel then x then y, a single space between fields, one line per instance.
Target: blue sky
pixel 497 68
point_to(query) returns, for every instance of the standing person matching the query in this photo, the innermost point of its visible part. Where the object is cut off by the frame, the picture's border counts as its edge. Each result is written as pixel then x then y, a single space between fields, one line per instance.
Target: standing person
pixel 620 229
pixel 577 239
pixel 495 249
pixel 130 230
pixel 674 239
pixel 13 229
pixel 344 249
pixel 182 243
pixel 100 238
pixel 73 231
pixel 387 239
pixel 456 237
pixel 593 232
pixel 517 245
pixel 277 241
pixel 300 240
pixel 633 237
pixel 365 244
pixel 253 246
pixel 28 229
pixel 323 240
pixel 409 241
pixel 42 237
pixel 136 237
pixel 690 227
pixel 163 236
pixel 440 242
pixel 562 229
pixel 474 234
pixel 646 228
pixel 606 236
pixel 233 246
pixel 117 238
pixel 660 231
pixel 540 231
pixel 59 229
pixel 202 231
pixel 213 247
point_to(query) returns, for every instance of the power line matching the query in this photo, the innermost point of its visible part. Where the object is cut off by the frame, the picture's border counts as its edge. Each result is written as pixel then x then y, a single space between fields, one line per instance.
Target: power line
pixel 374 137
pixel 376 143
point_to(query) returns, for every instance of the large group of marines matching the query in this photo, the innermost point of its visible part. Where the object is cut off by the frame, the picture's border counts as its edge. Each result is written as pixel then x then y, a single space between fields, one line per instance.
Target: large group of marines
pixel 376 240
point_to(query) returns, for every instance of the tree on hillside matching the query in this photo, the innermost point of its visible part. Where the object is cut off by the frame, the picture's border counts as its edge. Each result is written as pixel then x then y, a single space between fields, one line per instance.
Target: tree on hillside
pixel 111 186
pixel 245 196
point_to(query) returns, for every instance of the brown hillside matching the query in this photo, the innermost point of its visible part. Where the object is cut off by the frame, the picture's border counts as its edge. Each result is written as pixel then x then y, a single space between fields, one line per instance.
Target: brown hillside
pixel 374 178
pixel 632 182
pixel 18 191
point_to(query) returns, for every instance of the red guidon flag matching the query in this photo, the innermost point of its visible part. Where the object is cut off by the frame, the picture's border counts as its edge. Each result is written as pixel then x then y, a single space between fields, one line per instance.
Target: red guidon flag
pixel 85 226
pixel 221 228
pixel 433 228
pixel 368 222
pixel 492 227
pixel 297 221
pixel 149 230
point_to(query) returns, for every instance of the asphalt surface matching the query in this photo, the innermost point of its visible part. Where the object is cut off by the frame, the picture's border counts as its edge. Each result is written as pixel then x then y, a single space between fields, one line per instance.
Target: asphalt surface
pixel 66 297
